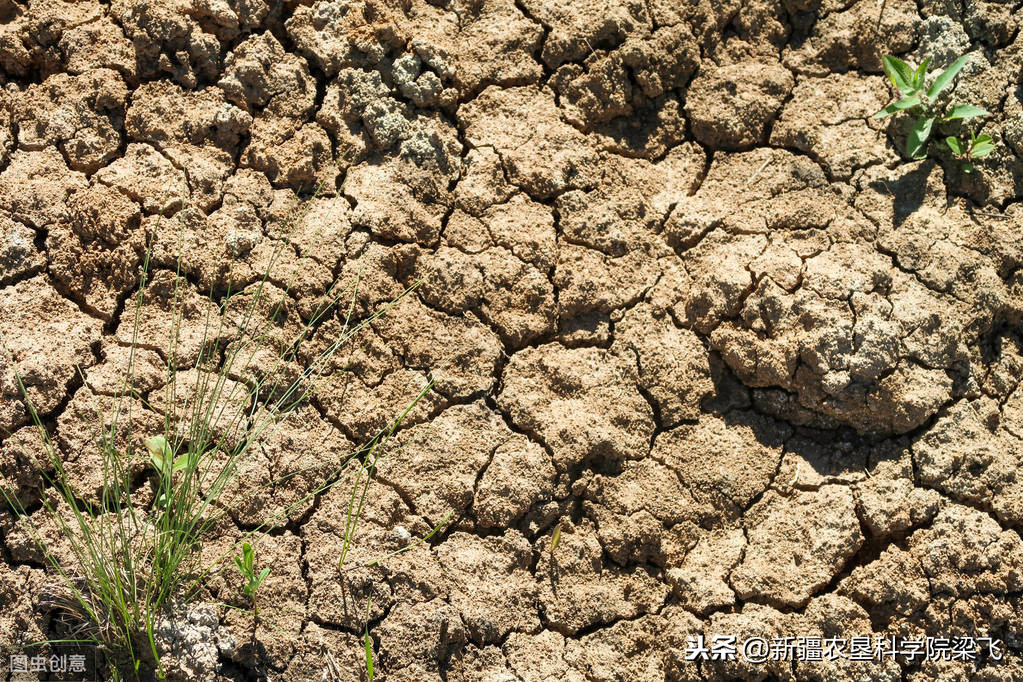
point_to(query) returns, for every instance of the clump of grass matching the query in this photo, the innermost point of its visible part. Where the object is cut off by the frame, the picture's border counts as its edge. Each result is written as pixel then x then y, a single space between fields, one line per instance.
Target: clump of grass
pixel 132 550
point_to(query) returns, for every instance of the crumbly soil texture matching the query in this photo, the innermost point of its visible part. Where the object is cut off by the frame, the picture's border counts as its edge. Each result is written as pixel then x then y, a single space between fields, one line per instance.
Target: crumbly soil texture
pixel 680 295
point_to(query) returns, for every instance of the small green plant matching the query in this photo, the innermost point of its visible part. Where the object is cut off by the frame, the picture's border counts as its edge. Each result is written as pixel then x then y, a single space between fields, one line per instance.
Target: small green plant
pixel 926 102
pixel 247 565
pixel 129 554
pixel 978 147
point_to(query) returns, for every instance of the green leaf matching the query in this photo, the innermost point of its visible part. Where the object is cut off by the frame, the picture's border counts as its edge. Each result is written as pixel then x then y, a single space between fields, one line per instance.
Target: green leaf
pixel 157 445
pixel 965 111
pixel 918 136
pixel 248 556
pixel 983 137
pixel 967 167
pixel 955 145
pixel 945 77
pixel 369 656
pixel 262 575
pixel 981 149
pixel 180 463
pixel 555 537
pixel 920 74
pixel 159 452
pixel 901 105
pixel 899 73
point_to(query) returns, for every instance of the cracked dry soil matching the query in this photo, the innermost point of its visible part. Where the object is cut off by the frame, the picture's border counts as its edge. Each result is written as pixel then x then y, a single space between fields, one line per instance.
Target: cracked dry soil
pixel 681 295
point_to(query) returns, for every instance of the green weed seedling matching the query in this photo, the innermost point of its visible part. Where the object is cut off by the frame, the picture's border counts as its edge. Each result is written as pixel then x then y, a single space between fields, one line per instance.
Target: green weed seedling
pixel 978 147
pixel 247 565
pixel 166 464
pixel 926 104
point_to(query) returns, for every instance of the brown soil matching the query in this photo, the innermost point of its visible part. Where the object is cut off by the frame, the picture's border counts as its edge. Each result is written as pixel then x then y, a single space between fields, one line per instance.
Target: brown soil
pixel 682 296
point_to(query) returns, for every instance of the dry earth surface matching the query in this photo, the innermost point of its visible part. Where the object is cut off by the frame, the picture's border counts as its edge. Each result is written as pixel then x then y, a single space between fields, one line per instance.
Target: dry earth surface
pixel 681 295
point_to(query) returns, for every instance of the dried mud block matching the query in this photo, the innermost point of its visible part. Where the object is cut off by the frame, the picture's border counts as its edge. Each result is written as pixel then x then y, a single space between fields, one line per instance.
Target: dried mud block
pixel 316 645
pixel 335 35
pixel 338 593
pixel 490 584
pixel 708 457
pixel 92 428
pixel 573 33
pixel 460 353
pixel 496 264
pixel 596 91
pixel 123 368
pixel 960 573
pixel 855 37
pixel 797 545
pixel 893 587
pixel 435 466
pixel 539 656
pixel 642 649
pixel 227 250
pixel 259 76
pixel 82 116
pixel 318 229
pixel 752 193
pixel 25 461
pixel 949 251
pixel 172 320
pixel 992 22
pixel 405 198
pixel 656 128
pixel 482 184
pixel 752 620
pixel 96 257
pixel 732 107
pixel 98 44
pixel 291 153
pixel 582 404
pixel 674 369
pixel 417 639
pixel 578 592
pixel 147 177
pixel 892 507
pixel 19 625
pixel 519 476
pixel 168 40
pixel 540 153
pixel 962 457
pixel 865 370
pixel 19 256
pixel 591 282
pixel 484 43
pixel 278 476
pixel 35 187
pixel 29 36
pixel 166 115
pixel 829 119
pixel 830 616
pixel 701 580
pixel 643 513
pixel 46 339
